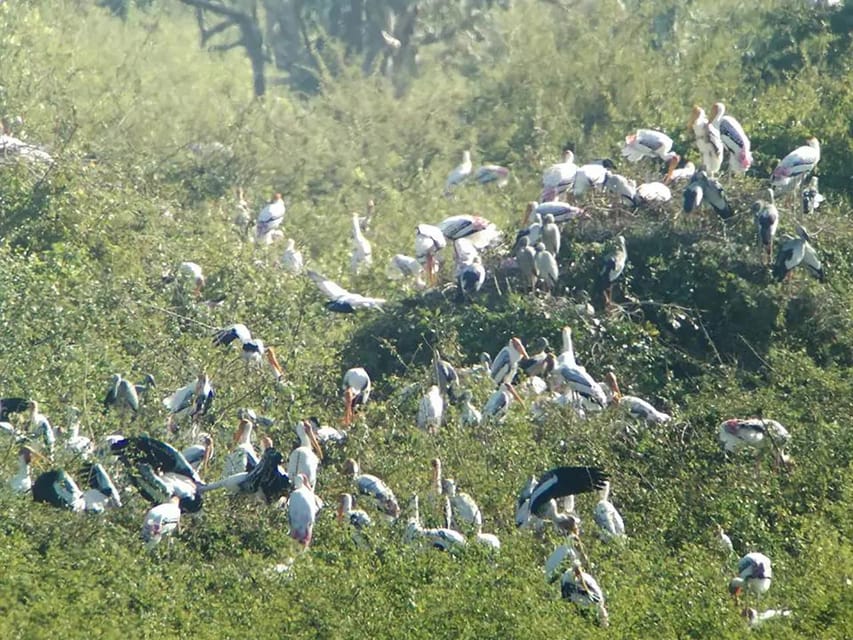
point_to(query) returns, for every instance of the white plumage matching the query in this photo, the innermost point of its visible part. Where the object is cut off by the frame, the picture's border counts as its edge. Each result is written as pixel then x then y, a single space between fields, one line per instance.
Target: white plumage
pixel 431 410
pixel 460 174
pixel 362 253
pixel 161 522
pixel 291 259
pixel 302 508
pixel 270 219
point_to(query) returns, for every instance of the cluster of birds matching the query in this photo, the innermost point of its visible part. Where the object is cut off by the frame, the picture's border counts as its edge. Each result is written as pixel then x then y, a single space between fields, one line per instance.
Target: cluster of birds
pixel 171 479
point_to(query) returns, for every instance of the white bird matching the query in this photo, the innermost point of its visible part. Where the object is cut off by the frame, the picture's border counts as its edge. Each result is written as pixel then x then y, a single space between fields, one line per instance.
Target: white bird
pixel 464 513
pixel 568 374
pixel 253 350
pixel 243 457
pixel 503 368
pixel 652 194
pixel 373 486
pixel 562 211
pixel 625 188
pixel 390 40
pixel 812 198
pixel 121 394
pixel 790 172
pixel 357 518
pixel 470 277
pixel 40 426
pixel 439 538
pixel 461 173
pixel 305 459
pixel 270 219
pixel 734 138
pixel 755 433
pixel 469 415
pixel 767 221
pixel 302 508
pixel 581 588
pixel 546 267
pixel 291 259
pixel 558 178
pixel 551 236
pixel 681 173
pixel 608 517
pixel 431 410
pixel 362 253
pixel 401 267
pixel 341 300
pixel 429 240
pixel 498 403
pixel 199 453
pixel 754 575
pixel 161 522
pixel 74 442
pixel 612 267
pixel 192 399
pixel 724 542
pixel 795 252
pixel 648 143
pixel 477 230
pixel 356 387
pixel 636 407
pixel 589 177
pixel 191 272
pixel 755 618
pixel 22 481
pixel 708 140
pixel 13 148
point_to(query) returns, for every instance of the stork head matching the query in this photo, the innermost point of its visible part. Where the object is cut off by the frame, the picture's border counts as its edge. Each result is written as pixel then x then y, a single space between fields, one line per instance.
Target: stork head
pixel 736 586
pixel 697 113
pixel 351 467
pixel 33 406
pixel 276 197
pixel 610 378
pixel 518 346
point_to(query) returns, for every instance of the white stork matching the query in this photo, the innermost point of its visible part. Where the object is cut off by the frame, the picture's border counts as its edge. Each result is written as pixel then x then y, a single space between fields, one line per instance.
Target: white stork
pixel 362 253
pixel 733 137
pixel 302 508
pixel 431 410
pixel 429 240
pixel 459 174
pixel 291 259
pixel 270 219
pixel 356 387
pixel 161 522
pixel 341 300
pixel 791 171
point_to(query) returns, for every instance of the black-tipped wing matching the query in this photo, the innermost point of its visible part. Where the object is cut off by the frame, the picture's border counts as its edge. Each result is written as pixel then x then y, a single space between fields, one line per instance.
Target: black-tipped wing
pixel 12 405
pixel 267 476
pixel 158 454
pixel 566 481
pixel 226 336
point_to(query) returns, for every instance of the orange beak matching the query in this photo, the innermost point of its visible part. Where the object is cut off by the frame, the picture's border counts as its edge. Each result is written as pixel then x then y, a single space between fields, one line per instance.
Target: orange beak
pixel 274 363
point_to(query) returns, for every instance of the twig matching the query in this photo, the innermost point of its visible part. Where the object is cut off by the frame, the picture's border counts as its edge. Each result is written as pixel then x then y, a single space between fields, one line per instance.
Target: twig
pixel 755 353
pixel 708 338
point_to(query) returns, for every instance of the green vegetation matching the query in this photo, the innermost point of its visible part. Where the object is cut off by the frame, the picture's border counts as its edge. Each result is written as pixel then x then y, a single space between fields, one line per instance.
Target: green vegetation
pixel 123 106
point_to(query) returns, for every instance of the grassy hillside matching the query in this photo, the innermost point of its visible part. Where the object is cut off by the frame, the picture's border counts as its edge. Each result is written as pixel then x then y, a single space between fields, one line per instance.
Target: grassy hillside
pixel 702 330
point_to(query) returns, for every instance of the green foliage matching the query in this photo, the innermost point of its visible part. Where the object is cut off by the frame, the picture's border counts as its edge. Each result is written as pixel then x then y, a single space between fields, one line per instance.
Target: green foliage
pixel 153 137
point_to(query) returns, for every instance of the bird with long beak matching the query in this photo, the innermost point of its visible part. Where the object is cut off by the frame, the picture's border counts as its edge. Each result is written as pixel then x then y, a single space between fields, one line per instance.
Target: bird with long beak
pixel 200 453
pixel 22 481
pixel 754 575
pixel 767 221
pixel 40 425
pixel 505 366
pixel 305 459
pixel 429 240
pixel 161 522
pixel 707 139
pixel 243 457
pixel 356 388
pixel 302 508
pixel 636 407
pixel 358 518
pixel 612 267
pixel 371 485
pixel 581 588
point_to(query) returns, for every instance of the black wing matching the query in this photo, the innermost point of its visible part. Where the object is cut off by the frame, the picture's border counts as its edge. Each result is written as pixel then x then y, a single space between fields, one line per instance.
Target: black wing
pixel 12 405
pixel 566 481
pixel 267 476
pixel 158 454
pixel 44 490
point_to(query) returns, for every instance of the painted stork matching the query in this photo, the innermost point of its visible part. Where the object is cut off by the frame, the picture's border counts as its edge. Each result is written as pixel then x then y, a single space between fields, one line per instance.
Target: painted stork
pixel 648 143
pixel 794 252
pixel 469 415
pixel 678 174
pixel 495 174
pixel 22 481
pixel 546 267
pixel 568 374
pixel 755 433
pixel 733 138
pixel 102 493
pixel 243 457
pixel 201 452
pixel 356 387
pixel 460 174
pixel 57 488
pixel 371 485
pixel 589 177
pixel 74 442
pixel 559 177
pixel 791 171
pixel 41 427
pixel 526 258
pixel 253 350
pixel 708 139
pixel 812 198
pixel 121 394
pixel 470 277
pixel 581 588
pixel 714 194
pixel 505 365
pixel 402 267
pixel 612 267
pixel 724 542
pixel 540 361
pixel 477 230
pixel 624 188
pixel 557 483
pixel 135 450
pixel 325 434
pixel 270 219
pixel 429 240
pixel 636 407
pixel 754 575
pixel 357 518
pixel 302 508
pixel 161 522
pixel 291 259
pixel 193 399
pixel 652 194
pixel 551 235
pixel 362 253
pixel 607 517
pixel 191 272
pixel 755 618
pixel 305 459
pixel 465 515
pixel 445 376
pixel 499 402
pixel 562 211
pixel 431 410
pixel 442 538
pixel 341 300
pixel 767 221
